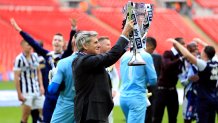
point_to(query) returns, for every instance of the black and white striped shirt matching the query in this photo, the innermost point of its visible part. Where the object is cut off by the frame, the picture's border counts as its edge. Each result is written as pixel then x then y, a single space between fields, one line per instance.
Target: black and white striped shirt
pixel 29 77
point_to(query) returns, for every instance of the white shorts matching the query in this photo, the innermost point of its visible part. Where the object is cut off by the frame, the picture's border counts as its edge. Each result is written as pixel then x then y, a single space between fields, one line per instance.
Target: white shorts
pixel 34 101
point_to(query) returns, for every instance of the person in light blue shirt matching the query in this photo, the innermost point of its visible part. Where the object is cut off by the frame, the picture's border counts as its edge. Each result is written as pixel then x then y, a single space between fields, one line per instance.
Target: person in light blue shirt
pixel 133 88
pixel 64 110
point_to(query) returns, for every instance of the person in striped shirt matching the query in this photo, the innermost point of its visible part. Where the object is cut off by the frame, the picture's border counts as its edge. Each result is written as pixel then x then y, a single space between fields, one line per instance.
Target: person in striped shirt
pixel 28 80
pixel 51 58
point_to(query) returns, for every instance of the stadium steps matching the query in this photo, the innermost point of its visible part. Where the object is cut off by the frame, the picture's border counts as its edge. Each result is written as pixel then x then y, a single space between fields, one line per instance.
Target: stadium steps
pixel 43 25
pixel 200 32
pixel 29 2
pixel 104 25
pixel 166 24
pixel 208 3
pixel 119 3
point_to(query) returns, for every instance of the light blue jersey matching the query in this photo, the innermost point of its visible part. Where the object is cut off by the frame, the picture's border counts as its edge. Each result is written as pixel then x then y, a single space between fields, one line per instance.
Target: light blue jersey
pixel 64 110
pixel 135 78
pixel 133 87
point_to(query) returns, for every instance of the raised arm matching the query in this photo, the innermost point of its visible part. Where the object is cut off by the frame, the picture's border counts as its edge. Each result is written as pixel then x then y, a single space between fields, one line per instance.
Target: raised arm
pixel 109 58
pixel 199 41
pixel 184 51
pixel 32 42
pixel 168 63
pixel 69 49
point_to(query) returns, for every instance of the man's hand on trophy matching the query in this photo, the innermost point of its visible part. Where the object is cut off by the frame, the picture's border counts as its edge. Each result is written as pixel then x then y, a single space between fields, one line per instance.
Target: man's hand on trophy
pixel 128 28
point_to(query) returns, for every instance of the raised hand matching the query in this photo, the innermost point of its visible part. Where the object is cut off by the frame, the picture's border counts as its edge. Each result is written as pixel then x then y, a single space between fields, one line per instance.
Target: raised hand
pixel 171 40
pixel 128 28
pixel 199 41
pixel 14 24
pixel 73 22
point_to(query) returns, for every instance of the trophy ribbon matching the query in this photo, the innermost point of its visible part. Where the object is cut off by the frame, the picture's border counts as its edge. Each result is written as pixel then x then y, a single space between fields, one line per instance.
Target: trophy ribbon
pixel 149 10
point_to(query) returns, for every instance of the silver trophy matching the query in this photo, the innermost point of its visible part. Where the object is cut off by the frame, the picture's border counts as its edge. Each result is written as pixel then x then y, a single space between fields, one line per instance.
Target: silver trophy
pixel 141 14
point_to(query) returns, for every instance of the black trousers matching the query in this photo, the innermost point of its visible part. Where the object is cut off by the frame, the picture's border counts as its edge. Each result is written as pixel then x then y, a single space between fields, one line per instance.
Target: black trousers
pixel 166 98
pixel 150 109
pixel 207 107
pixel 84 114
pixel 35 115
pixel 95 121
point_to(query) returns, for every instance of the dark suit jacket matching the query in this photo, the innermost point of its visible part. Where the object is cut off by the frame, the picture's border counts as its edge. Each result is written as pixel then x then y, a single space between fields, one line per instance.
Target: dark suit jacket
pixel 157 63
pixel 93 100
pixel 170 69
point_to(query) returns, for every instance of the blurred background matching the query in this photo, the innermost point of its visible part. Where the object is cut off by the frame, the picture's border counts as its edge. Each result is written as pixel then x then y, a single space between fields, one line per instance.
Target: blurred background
pixel 43 18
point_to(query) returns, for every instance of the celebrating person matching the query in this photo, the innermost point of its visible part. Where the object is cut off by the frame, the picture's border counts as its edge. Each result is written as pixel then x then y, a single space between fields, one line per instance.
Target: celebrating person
pixel 93 100
pixel 166 95
pixel 64 110
pixel 28 80
pixel 51 58
pixel 207 91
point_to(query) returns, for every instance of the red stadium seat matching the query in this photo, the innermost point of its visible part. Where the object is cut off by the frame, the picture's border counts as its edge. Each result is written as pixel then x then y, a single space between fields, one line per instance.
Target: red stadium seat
pixel 165 24
pixel 119 3
pixel 208 3
pixel 29 2
pixel 42 25
pixel 208 25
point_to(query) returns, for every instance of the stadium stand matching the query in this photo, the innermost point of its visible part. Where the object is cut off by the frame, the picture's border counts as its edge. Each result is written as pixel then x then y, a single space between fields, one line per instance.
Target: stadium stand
pixel 166 23
pixel 208 3
pixel 42 25
pixel 118 3
pixel 29 2
pixel 208 25
pixel 8 48
pixel 43 18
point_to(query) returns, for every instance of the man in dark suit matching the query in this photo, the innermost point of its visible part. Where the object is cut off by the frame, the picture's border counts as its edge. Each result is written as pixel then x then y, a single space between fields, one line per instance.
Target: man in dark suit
pixel 151 45
pixel 167 96
pixel 93 100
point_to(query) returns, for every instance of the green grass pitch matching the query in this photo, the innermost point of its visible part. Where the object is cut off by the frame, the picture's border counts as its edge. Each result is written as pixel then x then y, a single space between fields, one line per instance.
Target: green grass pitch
pixel 13 114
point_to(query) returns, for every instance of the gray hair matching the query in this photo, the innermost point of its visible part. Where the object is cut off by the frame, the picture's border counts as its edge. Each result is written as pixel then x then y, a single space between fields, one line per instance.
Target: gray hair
pixel 84 37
